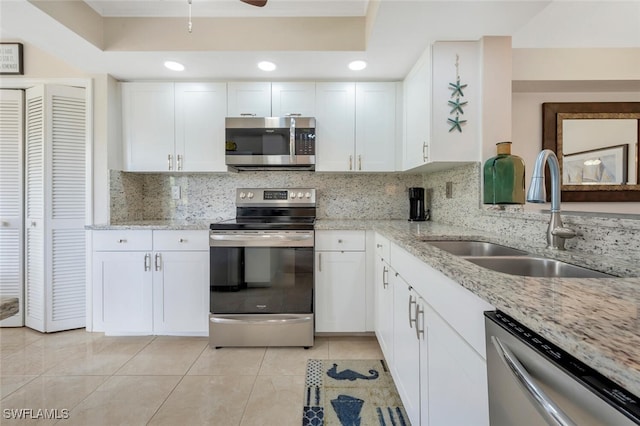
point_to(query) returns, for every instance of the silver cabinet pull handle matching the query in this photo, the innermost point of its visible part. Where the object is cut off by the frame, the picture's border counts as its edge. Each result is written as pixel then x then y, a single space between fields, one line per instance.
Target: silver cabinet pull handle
pixel 170 161
pixel 412 302
pixel 359 162
pixel 247 114
pixel 122 241
pixel 379 245
pixel 293 114
pixel 182 240
pixel 179 160
pixel 156 261
pixel 385 277
pixel 147 262
pixel 424 152
pixel 419 331
pixel 351 162
pixel 545 406
pixel 319 262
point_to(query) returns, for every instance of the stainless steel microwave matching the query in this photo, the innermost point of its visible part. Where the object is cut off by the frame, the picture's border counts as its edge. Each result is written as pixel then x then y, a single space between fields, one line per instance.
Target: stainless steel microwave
pixel 270 143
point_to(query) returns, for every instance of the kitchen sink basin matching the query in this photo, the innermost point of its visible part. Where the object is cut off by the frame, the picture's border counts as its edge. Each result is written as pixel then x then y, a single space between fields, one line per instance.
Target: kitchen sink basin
pixel 535 267
pixel 475 248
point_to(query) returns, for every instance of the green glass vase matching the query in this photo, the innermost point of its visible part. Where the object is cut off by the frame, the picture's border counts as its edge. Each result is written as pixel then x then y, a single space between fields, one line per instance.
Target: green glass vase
pixel 504 177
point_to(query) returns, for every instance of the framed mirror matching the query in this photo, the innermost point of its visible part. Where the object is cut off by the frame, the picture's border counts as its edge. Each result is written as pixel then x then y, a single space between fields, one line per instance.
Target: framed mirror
pixel 597 147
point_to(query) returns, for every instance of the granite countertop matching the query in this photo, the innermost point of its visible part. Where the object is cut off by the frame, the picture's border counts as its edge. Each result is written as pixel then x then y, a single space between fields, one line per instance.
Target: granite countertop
pixel 596 320
pixel 155 224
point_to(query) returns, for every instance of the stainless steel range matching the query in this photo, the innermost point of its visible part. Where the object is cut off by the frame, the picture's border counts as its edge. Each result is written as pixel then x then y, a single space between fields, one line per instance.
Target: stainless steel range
pixel 261 281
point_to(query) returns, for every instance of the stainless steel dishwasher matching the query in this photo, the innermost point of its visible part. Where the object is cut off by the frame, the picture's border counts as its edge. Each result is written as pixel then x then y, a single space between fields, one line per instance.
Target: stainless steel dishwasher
pixel 533 382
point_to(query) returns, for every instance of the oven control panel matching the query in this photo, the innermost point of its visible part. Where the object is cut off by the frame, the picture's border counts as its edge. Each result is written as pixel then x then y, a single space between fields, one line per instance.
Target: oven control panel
pixel 269 196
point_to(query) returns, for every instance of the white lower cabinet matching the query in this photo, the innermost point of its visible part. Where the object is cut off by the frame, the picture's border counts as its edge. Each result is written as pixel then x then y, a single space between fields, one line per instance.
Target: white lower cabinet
pixel 383 296
pixel 123 291
pixel 181 290
pixel 151 282
pixel 439 371
pixel 406 347
pixel 457 380
pixel 340 281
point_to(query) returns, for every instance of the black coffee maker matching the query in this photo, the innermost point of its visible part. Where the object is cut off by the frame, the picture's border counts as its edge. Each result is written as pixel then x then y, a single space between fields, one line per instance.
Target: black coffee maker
pixel 417 209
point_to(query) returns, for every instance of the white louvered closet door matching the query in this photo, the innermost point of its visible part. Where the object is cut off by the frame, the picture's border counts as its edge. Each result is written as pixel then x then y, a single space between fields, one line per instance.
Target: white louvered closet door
pixel 55 175
pixel 11 202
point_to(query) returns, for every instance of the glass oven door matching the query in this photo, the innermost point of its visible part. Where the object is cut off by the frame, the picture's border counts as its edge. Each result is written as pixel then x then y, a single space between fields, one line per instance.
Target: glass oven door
pixel 261 272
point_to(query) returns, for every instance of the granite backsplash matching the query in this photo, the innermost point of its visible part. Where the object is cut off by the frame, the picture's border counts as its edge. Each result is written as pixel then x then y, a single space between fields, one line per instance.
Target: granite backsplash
pixel 366 196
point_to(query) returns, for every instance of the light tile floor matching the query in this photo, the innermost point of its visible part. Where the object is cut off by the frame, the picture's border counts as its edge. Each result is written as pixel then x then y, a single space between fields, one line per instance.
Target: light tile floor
pixel 104 380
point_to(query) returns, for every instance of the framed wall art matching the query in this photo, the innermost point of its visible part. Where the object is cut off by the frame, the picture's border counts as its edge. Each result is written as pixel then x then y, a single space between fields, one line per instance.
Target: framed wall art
pixel 11 61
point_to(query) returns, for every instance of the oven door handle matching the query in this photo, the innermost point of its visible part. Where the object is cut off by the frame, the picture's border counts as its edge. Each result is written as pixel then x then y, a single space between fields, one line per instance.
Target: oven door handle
pixel 258 321
pixel 303 240
pixel 551 412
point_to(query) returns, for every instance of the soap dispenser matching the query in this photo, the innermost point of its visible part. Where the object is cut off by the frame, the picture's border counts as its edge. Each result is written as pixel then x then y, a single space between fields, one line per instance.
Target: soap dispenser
pixel 504 177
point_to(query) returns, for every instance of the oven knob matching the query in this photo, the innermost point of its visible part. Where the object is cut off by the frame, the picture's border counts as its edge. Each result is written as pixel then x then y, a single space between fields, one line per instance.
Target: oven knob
pixel 300 195
pixel 243 195
pixel 293 195
pixel 250 195
pixel 307 195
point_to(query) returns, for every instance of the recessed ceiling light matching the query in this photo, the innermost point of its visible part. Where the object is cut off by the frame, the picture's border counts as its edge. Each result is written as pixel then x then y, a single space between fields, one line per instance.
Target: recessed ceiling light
pixel 266 66
pixel 357 65
pixel 174 66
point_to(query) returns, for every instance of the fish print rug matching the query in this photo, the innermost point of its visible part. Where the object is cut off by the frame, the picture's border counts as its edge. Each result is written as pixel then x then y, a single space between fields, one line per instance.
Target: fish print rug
pixel 351 393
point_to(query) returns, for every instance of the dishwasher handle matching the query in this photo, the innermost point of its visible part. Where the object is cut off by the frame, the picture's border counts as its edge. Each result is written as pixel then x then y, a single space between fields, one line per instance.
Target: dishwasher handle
pixel 545 406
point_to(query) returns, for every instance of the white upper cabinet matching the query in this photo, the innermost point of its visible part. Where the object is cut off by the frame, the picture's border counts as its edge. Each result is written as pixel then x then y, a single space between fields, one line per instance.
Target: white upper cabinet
pixel 148 125
pixel 249 99
pixel 417 113
pixel 174 127
pixel 375 127
pixel 448 141
pixel 260 99
pixel 199 138
pixel 442 120
pixel 293 99
pixel 356 126
pixel 335 126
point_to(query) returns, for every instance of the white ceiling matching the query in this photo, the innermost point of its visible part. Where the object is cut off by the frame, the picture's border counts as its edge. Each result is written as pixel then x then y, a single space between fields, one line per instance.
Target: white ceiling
pixel 401 31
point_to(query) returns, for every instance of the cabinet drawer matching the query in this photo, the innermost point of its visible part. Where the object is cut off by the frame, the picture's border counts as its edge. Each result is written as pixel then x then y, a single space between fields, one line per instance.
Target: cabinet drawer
pixel 180 240
pixel 122 240
pixel 340 240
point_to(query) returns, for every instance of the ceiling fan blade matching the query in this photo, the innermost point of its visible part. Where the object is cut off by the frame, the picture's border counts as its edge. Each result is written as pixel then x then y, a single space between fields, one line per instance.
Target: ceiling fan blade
pixel 258 3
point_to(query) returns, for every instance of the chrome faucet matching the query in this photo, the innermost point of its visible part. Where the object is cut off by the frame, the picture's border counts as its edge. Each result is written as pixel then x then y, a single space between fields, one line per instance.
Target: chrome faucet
pixel 556 233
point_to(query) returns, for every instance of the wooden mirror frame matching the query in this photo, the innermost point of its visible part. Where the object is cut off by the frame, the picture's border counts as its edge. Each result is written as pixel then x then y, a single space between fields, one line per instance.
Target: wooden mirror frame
pixel 551 138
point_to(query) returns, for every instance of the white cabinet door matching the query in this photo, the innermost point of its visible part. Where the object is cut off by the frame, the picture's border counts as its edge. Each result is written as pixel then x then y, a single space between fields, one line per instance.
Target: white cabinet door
pixel 200 109
pixel 335 126
pixel 249 99
pixel 417 113
pixel 124 282
pixel 293 99
pixel 181 292
pixel 457 393
pixel 406 347
pixel 449 143
pixel 375 127
pixel 340 303
pixel 383 295
pixel 148 126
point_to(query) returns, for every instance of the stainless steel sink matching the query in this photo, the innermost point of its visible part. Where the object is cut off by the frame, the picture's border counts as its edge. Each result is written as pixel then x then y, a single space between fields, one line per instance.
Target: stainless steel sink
pixel 535 267
pixel 475 248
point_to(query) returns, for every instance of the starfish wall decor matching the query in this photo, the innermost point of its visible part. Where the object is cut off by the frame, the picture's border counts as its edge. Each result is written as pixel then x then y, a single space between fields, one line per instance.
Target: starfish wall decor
pixel 456 103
